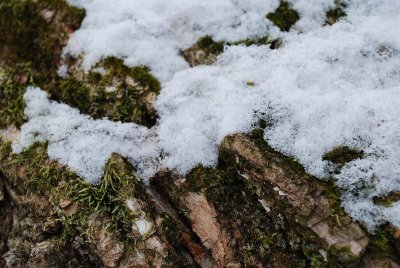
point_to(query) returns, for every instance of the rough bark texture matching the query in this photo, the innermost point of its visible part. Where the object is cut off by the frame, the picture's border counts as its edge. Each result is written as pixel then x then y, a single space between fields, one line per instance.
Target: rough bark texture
pixel 257 208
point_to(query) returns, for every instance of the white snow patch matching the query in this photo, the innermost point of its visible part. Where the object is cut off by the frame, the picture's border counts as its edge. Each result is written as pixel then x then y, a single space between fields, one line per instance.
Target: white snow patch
pixel 328 86
pixel 80 142
pixel 152 32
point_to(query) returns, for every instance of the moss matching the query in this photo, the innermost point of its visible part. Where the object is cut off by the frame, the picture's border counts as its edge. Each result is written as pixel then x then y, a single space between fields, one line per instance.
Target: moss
pixel 335 13
pixel 203 52
pixel 32 169
pixel 262 236
pixel 263 41
pixel 383 244
pixel 26 36
pixel 343 154
pixel 341 258
pixel 33 173
pixel 206 50
pixel 284 16
pixel 126 102
pixel 12 88
pixel 140 74
pixel 260 41
pixel 387 200
pixel 207 44
pixel 30 48
pixel 380 242
pixel 117 185
pixel 257 136
pixel 75 94
pixel 293 227
pixel 176 255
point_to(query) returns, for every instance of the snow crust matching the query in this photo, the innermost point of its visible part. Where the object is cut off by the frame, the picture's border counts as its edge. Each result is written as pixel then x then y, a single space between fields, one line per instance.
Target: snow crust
pixel 327 86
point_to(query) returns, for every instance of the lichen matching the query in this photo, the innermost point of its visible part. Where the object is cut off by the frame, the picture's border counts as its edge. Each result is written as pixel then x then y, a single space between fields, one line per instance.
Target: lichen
pixel 284 16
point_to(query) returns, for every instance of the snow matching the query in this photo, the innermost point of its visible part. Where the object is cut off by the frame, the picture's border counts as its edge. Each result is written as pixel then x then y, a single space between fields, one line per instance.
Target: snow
pixel 327 86
pixel 143 32
pixel 77 140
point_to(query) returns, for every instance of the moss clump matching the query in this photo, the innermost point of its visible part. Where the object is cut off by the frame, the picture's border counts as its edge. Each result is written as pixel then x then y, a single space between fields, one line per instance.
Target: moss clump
pixel 384 243
pixel 32 169
pixel 121 94
pixel 204 51
pixel 128 99
pixel 108 198
pixel 32 172
pixel 210 46
pixel 263 41
pixel 387 200
pixel 32 34
pixel 141 74
pixel 12 87
pixel 334 14
pixel 284 16
pixel 75 94
pixel 257 136
pixel 342 155
pixel 257 235
pixel 26 35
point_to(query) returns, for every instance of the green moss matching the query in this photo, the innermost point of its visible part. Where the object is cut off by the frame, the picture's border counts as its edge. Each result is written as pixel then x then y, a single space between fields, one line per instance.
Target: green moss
pixel 203 52
pixel 32 169
pixel 337 258
pixel 238 202
pixel 387 200
pixel 30 45
pixel 74 93
pixel 380 242
pixel 12 88
pixel 207 44
pixel 32 172
pixel 343 154
pixel 108 198
pixel 257 135
pixel 310 250
pixel 142 75
pixel 125 103
pixel 334 14
pixel 383 243
pixel 263 41
pixel 171 229
pixel 25 35
pixel 284 16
